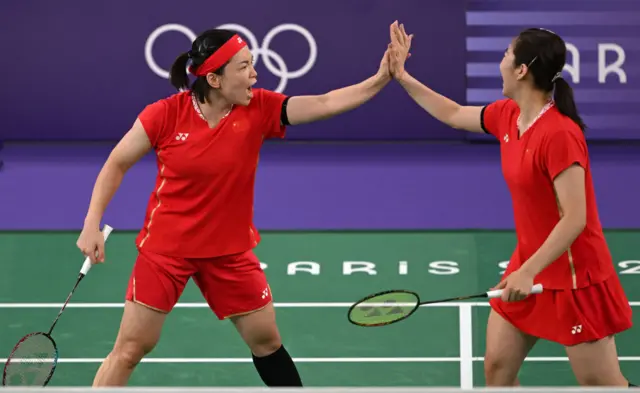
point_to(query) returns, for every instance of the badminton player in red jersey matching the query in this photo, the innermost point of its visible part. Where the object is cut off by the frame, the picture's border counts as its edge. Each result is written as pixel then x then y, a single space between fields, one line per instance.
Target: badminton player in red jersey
pixel 198 222
pixel 560 243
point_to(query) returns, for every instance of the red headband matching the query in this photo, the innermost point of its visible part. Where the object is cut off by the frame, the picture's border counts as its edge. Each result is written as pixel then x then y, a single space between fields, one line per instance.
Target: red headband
pixel 220 57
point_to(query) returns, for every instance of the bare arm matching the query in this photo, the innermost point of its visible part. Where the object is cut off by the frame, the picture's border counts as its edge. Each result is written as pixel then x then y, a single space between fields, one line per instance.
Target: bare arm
pixel 570 188
pixel 442 108
pixel 131 148
pixel 306 109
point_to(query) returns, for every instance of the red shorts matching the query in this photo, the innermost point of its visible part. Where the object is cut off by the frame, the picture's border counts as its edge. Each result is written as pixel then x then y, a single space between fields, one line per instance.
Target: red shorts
pixel 231 284
pixel 571 317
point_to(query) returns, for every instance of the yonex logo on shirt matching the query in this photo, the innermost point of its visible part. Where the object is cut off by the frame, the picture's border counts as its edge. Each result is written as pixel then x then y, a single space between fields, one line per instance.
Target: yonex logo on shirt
pixel 576 329
pixel 182 136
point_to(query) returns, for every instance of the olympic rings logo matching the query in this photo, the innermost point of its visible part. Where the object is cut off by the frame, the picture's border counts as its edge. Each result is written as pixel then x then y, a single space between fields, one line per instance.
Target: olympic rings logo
pixel 270 57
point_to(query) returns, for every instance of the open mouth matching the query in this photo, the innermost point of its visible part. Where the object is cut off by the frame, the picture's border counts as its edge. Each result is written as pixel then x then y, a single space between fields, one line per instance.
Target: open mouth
pixel 250 88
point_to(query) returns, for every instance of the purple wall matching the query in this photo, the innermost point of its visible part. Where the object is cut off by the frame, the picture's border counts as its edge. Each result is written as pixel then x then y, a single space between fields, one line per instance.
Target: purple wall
pixel 596 31
pixel 97 77
pixel 86 63
pixel 96 73
pixel 310 186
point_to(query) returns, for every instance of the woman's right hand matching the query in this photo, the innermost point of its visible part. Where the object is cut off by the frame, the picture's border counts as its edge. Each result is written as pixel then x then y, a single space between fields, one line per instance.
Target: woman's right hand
pixel 91 243
pixel 400 46
pixel 133 146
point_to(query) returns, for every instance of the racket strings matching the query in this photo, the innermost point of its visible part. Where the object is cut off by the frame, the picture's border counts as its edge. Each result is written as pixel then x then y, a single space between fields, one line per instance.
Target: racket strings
pixel 32 361
pixel 384 309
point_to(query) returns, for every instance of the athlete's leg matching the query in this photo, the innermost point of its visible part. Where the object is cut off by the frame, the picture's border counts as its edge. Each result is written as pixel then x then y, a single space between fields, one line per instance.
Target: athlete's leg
pixel 506 349
pixel 271 359
pixel 598 312
pixel 596 363
pixel 236 288
pixel 139 332
pixel 259 331
pixel 155 286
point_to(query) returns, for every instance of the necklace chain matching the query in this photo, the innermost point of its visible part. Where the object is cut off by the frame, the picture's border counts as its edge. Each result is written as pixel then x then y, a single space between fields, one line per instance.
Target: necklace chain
pixel 545 108
pixel 194 101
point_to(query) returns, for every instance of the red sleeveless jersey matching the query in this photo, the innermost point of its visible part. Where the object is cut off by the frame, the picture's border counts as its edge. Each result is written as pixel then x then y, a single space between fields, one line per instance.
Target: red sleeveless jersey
pixel 202 204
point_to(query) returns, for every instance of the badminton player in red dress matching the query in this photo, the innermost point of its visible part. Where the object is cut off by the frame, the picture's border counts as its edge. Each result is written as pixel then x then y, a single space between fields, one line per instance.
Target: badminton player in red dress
pixel 560 243
pixel 198 222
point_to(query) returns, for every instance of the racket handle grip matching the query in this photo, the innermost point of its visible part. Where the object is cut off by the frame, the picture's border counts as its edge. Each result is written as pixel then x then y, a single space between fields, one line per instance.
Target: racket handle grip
pixel 86 266
pixel 498 292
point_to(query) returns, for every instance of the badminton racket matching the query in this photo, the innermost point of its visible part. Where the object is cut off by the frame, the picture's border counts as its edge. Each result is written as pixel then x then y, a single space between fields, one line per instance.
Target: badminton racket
pixel 385 308
pixel 35 357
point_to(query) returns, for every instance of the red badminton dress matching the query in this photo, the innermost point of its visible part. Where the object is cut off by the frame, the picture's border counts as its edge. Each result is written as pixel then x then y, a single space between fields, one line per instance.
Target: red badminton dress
pixel 583 299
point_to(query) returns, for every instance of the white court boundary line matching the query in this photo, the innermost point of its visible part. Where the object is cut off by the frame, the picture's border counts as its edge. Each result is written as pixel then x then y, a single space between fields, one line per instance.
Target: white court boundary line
pixel 321 360
pixel 277 305
pixel 466 346
pixel 205 305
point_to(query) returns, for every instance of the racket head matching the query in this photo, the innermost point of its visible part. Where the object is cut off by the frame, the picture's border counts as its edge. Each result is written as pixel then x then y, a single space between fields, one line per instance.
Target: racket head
pixel 32 361
pixel 384 308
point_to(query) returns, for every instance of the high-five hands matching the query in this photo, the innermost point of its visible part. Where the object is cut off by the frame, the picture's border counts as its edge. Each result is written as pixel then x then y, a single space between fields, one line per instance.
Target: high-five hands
pixel 398 49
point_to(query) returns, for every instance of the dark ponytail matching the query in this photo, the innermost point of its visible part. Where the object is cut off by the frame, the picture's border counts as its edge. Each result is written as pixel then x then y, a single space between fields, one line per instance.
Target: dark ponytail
pixel 563 97
pixel 178 74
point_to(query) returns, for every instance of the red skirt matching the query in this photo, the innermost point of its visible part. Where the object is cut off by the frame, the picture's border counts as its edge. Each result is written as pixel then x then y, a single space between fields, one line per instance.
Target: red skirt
pixel 571 316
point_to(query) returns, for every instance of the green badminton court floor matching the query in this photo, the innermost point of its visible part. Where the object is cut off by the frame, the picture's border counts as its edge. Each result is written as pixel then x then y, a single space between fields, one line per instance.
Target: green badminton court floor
pixel 314 277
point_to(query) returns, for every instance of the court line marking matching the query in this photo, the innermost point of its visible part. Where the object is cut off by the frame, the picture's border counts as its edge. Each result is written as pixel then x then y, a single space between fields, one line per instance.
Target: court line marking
pixel 466 346
pixel 318 360
pixel 277 305
pixel 205 305
pixel 249 360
